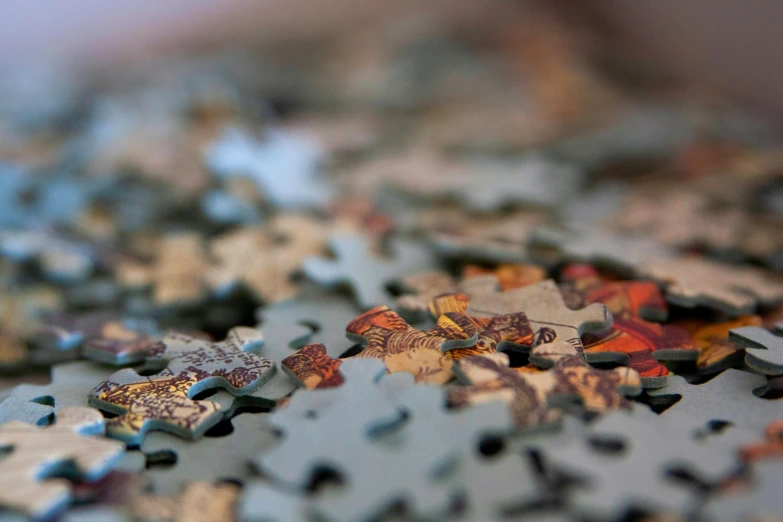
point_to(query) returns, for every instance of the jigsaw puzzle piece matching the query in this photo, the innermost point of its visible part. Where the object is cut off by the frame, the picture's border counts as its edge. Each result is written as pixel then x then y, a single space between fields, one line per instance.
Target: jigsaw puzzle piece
pixel 367 274
pixel 763 349
pixel 609 493
pixel 38 453
pixel 164 401
pixel 544 306
pixel 14 409
pixel 260 502
pixel 731 396
pixel 311 367
pixel 386 336
pixel 209 459
pixel 199 501
pixel 693 281
pixel 717 352
pixel 70 385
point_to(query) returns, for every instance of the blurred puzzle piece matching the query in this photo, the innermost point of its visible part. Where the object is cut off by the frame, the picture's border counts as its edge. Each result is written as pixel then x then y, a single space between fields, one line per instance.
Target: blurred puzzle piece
pixel 763 349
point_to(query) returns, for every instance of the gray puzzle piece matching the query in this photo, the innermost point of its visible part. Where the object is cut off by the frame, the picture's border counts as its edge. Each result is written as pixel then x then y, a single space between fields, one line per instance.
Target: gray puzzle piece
pixel 287 327
pixel 637 476
pixel 15 409
pixel 763 349
pixel 261 502
pixel 366 273
pixel 762 501
pixel 728 397
pixel 70 386
pixel 209 459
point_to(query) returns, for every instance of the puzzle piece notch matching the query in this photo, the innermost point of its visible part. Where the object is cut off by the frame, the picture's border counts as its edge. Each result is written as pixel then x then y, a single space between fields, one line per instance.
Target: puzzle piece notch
pixel 367 274
pixel 163 401
pixel 39 452
pixel 763 349
pixel 14 409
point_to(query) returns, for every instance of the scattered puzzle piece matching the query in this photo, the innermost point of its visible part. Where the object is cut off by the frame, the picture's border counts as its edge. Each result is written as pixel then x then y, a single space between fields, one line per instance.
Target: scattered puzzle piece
pixel 365 273
pixel 38 453
pixel 311 367
pixel 199 502
pixel 14 409
pixel 70 385
pixel 163 401
pixel 763 349
pixel 717 352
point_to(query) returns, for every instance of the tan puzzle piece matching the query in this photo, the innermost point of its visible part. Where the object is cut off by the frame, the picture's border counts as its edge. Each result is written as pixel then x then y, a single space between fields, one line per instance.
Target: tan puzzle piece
pixel 199 502
pixel 693 281
pixel 34 451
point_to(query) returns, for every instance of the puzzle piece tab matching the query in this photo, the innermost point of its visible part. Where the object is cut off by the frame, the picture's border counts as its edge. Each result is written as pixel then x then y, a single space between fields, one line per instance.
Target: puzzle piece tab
pixel 763 349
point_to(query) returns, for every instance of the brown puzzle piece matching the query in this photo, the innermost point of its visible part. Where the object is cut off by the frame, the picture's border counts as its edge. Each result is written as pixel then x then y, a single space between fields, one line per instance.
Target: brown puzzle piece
pixel 312 367
pixel 199 502
pixel 631 340
pixel 264 258
pixel 163 401
pixel 712 339
pixel 37 452
pixel 530 395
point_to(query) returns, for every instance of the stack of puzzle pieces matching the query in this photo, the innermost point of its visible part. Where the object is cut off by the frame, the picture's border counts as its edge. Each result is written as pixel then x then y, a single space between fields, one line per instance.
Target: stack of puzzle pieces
pixel 445 278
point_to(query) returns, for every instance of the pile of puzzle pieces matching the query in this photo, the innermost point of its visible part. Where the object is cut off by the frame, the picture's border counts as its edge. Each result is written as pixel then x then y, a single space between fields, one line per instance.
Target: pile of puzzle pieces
pixel 442 279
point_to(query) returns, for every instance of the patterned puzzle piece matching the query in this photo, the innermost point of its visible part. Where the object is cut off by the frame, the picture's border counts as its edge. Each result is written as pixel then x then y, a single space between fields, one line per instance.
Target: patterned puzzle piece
pixel 367 274
pixel 629 479
pixel 386 336
pixel 763 349
pixel 200 501
pixel 164 400
pixel 531 395
pixel 38 453
pixel 693 281
pixel 631 340
pixel 717 352
pixel 544 306
pixel 263 259
pixel 731 396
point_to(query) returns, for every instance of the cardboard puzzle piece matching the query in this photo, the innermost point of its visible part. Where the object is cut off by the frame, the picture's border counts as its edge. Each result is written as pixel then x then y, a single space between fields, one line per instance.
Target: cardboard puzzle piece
pixel 771 448
pixel 758 501
pixel 532 395
pixel 284 164
pixel 386 336
pixel 608 492
pixel 716 351
pixel 14 409
pixel 763 349
pixel 263 259
pixel 311 367
pixel 164 401
pixel 367 274
pixel 544 306
pixel 260 502
pixel 199 501
pixel 632 340
pixel 70 385
pixel 211 458
pixel 731 396
pixel 38 453
pixel 693 281
pixel 430 440
pixel 177 274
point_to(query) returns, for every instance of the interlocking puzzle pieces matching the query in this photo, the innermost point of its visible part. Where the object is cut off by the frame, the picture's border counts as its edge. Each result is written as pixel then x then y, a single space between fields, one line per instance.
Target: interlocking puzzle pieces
pixel 632 340
pixel 763 349
pixel 531 396
pixel 284 164
pixel 210 458
pixel 164 401
pixel 613 456
pixel 339 429
pixel 731 396
pixel 263 259
pixel 71 445
pixel 544 306
pixel 367 274
pixel 716 351
pixel 387 337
